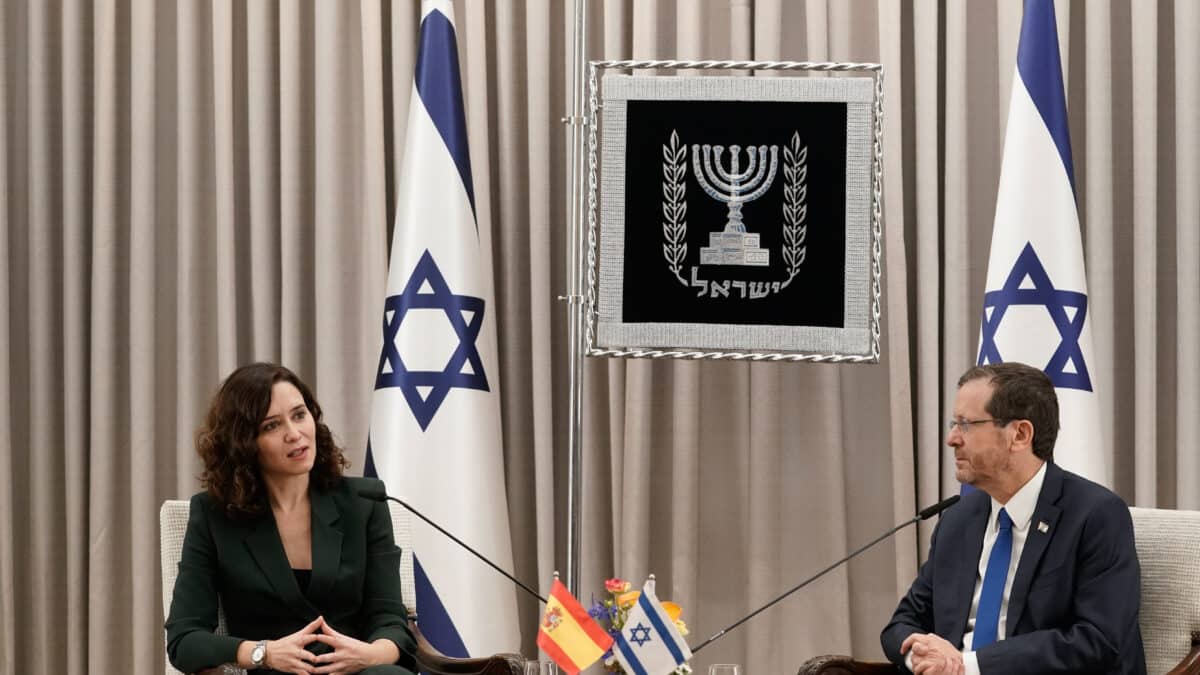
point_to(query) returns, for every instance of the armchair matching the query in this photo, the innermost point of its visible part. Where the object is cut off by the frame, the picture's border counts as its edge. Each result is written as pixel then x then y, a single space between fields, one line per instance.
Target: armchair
pixel 173 516
pixel 1168 546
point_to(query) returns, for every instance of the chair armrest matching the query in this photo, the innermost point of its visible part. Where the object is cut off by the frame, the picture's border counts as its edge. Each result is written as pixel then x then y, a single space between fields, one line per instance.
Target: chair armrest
pixel 833 664
pixel 434 662
pixel 1190 665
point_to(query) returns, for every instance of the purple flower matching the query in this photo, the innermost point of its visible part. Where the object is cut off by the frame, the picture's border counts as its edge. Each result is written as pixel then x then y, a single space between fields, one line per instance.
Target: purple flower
pixel 598 611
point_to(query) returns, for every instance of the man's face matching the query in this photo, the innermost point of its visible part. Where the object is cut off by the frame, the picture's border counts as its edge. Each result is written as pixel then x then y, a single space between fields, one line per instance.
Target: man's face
pixel 982 454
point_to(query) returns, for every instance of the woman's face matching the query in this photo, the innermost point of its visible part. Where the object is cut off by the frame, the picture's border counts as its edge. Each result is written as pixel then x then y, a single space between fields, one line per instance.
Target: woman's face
pixel 287 434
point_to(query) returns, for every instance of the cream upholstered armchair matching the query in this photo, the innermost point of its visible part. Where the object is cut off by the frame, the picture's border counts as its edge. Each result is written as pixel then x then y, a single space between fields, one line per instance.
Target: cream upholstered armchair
pixel 173 518
pixel 1168 546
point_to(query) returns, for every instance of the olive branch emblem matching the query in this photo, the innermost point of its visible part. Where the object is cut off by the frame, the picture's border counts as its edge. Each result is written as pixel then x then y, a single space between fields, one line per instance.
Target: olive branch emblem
pixel 795 211
pixel 675 205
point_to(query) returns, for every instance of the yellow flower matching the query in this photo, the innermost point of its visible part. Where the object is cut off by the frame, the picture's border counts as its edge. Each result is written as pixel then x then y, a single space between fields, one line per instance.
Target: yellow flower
pixel 681 626
pixel 673 610
pixel 627 599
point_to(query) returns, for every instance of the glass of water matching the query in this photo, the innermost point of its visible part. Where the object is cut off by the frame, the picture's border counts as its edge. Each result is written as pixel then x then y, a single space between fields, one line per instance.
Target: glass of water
pixel 536 667
pixel 724 669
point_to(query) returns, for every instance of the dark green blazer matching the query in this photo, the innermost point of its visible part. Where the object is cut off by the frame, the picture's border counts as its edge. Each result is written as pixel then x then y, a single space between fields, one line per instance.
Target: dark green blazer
pixel 355 578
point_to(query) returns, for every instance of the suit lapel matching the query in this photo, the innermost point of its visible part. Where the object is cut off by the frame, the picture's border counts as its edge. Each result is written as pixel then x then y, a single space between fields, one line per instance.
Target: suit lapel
pixel 964 583
pixel 326 544
pixel 266 548
pixel 1035 543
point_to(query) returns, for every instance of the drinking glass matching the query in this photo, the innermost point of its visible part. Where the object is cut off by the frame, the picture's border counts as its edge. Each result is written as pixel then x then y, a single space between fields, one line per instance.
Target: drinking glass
pixel 536 667
pixel 724 669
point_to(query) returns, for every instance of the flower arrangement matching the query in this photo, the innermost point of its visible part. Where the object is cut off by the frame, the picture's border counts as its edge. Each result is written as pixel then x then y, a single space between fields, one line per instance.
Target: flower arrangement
pixel 612 611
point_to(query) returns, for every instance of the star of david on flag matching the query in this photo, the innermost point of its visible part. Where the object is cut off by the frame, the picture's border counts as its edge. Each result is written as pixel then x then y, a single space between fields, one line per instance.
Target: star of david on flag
pixel 426 389
pixel 640 634
pixel 435 435
pixel 1029 284
pixel 1035 303
pixel 649 642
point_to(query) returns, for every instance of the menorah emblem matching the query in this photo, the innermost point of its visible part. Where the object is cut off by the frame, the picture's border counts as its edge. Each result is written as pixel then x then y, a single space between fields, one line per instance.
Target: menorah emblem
pixel 734 245
pixel 728 186
pixel 734 187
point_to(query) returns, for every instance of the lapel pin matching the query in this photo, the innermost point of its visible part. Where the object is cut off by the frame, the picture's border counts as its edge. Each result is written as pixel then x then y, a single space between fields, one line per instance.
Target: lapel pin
pixel 1043 527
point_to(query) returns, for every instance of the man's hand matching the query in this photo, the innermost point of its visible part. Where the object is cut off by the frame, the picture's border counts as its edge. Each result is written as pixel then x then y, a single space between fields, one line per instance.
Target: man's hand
pixel 932 655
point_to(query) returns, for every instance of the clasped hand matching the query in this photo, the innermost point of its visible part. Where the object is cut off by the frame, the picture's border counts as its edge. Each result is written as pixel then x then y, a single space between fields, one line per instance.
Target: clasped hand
pixel 933 655
pixel 348 655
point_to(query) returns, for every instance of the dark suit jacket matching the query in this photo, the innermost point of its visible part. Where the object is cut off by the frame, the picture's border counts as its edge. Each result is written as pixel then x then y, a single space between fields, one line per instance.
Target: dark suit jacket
pixel 1074 602
pixel 355 578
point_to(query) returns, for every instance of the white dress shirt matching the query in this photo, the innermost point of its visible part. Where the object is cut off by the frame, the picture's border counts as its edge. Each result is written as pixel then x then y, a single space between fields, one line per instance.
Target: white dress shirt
pixel 1020 510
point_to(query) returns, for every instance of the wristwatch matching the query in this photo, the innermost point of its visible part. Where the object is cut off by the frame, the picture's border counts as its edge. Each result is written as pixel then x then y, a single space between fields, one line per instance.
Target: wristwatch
pixel 258 655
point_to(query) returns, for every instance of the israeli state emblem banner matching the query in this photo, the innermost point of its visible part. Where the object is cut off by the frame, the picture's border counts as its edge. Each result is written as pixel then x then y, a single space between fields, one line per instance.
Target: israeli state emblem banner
pixel 738 217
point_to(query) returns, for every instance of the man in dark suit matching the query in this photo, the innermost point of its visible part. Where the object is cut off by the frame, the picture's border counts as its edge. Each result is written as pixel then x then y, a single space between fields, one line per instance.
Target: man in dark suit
pixel 1033 572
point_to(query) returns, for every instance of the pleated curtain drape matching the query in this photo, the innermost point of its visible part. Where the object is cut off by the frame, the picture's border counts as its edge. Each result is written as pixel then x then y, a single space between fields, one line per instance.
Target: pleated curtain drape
pixel 188 186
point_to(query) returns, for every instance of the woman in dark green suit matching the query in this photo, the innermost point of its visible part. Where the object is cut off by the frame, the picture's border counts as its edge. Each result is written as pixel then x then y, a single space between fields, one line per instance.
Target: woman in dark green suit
pixel 305 569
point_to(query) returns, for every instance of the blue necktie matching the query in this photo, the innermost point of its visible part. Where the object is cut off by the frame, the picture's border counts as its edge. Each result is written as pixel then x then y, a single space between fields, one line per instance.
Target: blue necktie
pixel 987 618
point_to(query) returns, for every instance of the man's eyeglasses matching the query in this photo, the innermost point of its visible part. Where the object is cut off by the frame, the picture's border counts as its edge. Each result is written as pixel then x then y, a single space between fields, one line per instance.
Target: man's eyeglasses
pixel 965 425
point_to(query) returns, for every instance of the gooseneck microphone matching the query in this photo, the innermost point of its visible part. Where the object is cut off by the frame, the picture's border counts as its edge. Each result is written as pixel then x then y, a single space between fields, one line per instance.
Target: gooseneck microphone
pixel 380 496
pixel 924 514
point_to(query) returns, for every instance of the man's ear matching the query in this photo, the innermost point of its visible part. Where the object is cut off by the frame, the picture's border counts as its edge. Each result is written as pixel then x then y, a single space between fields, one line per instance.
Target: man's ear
pixel 1022 434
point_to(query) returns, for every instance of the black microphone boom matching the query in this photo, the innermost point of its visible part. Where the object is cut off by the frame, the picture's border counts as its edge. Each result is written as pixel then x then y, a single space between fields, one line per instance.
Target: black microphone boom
pixel 931 511
pixel 924 514
pixel 378 496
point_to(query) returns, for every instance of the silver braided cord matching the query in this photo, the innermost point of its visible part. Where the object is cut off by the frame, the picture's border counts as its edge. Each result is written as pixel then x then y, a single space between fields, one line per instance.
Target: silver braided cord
pixel 740 65
pixel 728 356
pixel 877 220
pixel 590 308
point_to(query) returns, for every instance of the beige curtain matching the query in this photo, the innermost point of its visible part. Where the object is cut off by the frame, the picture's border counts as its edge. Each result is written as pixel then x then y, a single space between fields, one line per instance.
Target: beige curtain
pixel 188 186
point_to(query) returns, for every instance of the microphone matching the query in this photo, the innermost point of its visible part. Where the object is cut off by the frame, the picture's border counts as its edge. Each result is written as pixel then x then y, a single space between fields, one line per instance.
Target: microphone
pixel 931 511
pixel 924 514
pixel 380 496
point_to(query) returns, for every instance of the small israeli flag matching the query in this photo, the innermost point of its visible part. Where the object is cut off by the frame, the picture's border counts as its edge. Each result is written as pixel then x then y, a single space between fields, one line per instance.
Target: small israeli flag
pixel 649 643
pixel 1035 306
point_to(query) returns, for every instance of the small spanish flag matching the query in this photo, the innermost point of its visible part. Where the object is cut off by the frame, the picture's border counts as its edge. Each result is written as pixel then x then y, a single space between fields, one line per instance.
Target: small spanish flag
pixel 568 635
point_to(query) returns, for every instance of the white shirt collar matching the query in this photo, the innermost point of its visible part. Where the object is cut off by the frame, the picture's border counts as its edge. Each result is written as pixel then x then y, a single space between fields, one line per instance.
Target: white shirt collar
pixel 1020 507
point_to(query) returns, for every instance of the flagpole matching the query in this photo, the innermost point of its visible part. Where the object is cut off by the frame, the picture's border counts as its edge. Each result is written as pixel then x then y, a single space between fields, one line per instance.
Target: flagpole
pixel 575 134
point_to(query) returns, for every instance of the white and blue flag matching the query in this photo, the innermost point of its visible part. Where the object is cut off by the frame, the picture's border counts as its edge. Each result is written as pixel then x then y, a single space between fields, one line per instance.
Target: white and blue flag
pixel 1035 307
pixel 435 419
pixel 649 643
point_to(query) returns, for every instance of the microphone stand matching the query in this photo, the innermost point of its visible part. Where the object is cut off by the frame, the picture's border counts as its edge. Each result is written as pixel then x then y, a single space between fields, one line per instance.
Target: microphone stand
pixel 923 515
pixel 377 496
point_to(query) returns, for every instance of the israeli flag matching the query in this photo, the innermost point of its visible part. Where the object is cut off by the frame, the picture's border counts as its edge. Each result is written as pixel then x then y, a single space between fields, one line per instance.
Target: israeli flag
pixel 435 420
pixel 1035 308
pixel 649 643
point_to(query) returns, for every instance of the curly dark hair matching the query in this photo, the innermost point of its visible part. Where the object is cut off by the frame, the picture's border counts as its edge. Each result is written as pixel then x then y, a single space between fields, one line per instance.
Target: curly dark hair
pixel 228 441
pixel 1021 392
